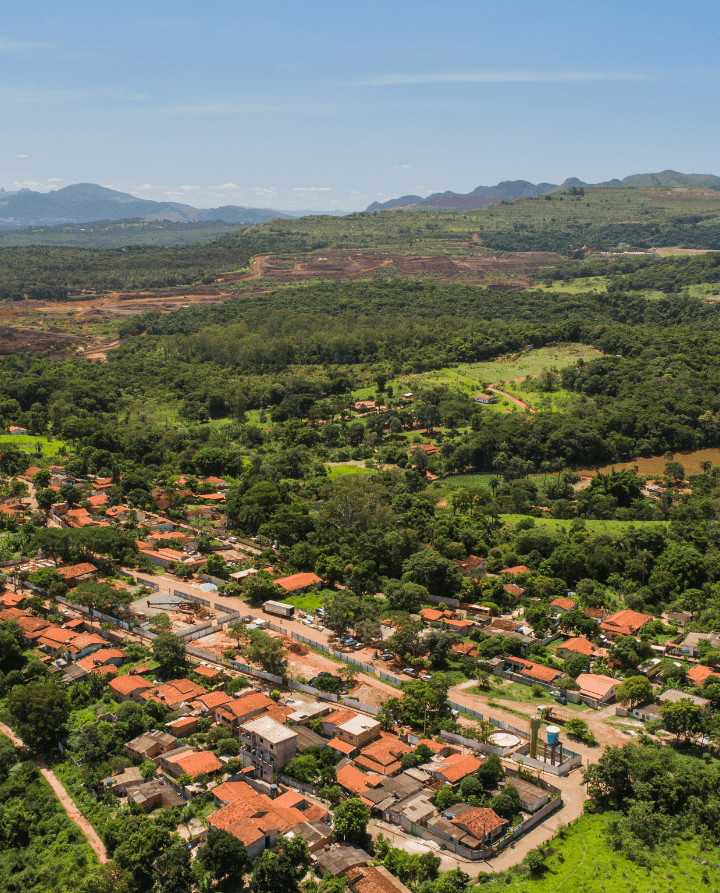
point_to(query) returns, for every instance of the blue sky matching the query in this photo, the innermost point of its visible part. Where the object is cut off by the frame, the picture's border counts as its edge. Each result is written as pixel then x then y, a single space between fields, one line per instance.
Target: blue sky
pixel 331 105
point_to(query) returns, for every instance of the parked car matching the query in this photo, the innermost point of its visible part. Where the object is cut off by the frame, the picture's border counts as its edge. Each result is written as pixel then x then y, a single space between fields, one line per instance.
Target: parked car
pixel 409 671
pixel 561 699
pixel 388 655
pixel 426 677
pixel 348 640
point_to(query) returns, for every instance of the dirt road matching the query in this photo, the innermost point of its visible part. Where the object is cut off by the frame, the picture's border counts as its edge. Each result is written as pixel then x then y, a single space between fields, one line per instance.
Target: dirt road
pixel 520 403
pixel 68 805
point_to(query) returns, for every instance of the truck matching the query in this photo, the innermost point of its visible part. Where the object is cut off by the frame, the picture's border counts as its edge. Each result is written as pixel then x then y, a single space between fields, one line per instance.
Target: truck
pixel 280 609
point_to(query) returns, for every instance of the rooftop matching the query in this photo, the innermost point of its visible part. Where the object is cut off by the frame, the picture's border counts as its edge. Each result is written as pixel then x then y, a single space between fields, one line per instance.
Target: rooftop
pixel 269 730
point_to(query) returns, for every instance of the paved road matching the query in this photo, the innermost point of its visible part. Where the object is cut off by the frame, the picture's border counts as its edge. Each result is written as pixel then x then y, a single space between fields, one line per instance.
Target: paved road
pixel 69 806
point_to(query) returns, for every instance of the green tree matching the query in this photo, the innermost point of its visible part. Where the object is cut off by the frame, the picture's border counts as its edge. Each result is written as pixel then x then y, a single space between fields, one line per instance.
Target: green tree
pixel 350 821
pixel 272 873
pixel 266 651
pixel 224 857
pixel 40 711
pixel 238 630
pixel 635 690
pixel 576 663
pixel 684 719
pixel 160 623
pixel 170 653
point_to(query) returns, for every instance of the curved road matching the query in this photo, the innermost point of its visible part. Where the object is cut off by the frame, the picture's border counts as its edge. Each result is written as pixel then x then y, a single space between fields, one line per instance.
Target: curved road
pixel 68 805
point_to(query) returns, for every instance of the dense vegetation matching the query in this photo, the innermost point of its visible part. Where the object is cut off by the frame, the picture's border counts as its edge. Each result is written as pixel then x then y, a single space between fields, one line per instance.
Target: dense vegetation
pixel 117 233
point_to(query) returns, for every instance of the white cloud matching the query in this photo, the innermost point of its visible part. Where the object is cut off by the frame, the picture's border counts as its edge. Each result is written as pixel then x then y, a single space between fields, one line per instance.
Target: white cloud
pixel 312 189
pixel 22 156
pixel 271 191
pixel 56 180
pixel 502 77
pixel 29 184
pixel 227 186
pixel 146 186
pixel 188 188
pixel 401 165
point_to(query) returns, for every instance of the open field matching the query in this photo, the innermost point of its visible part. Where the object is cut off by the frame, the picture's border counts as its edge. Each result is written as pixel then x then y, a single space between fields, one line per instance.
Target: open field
pixel 308 602
pixel 336 471
pixel 614 529
pixel 654 466
pixel 29 443
pixel 471 377
pixel 504 690
pixel 584 862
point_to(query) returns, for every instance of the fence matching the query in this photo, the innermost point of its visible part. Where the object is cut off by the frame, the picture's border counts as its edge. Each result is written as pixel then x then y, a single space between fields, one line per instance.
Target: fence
pixel 556 635
pixel 318 645
pixel 516 677
pixel 192 598
pixel 390 678
pixel 300 686
pixel 572 762
pixel 462 709
pixel 358 705
pixel 294 783
pixel 450 602
pixel 449 844
pixel 368 668
pixel 277 629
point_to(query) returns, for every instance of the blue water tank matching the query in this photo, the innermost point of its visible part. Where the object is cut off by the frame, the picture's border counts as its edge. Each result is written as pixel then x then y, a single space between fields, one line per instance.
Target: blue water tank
pixel 553 735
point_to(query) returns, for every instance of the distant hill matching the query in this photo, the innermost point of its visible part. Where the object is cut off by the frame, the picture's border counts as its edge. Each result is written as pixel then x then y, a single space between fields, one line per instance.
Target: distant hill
pixel 509 190
pixel 670 179
pixel 88 202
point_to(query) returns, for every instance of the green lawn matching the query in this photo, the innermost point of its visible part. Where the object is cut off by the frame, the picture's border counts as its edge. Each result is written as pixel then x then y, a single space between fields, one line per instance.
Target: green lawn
pixel 29 443
pixel 583 862
pixel 337 471
pixel 309 601
pixel 614 529
pixel 517 691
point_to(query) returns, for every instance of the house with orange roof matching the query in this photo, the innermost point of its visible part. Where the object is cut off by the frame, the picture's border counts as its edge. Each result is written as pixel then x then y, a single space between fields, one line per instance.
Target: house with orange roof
pixel 597 688
pixel 624 623
pixel 530 671
pixel 454 768
pixel 354 781
pixel 432 615
pixel 83 644
pixel 518 569
pixel 334 720
pixel 242 709
pixel 208 673
pixel 208 702
pixel 256 824
pixel 77 573
pixel 343 747
pixel 480 823
pixel 102 658
pixel 298 583
pixel 383 756
pixel 128 688
pixel 580 645
pixel 194 763
pixel 699 674
pixel 174 693
pixel 563 605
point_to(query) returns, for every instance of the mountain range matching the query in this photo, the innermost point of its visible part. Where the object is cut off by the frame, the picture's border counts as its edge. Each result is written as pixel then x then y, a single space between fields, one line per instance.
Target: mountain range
pixel 509 190
pixel 87 202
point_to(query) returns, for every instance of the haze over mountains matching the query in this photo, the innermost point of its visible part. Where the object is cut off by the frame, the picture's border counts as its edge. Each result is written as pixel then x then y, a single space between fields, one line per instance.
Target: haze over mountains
pixel 508 190
pixel 87 202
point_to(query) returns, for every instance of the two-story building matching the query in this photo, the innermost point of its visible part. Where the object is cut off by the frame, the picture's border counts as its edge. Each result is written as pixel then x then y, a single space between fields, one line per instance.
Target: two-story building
pixel 267 745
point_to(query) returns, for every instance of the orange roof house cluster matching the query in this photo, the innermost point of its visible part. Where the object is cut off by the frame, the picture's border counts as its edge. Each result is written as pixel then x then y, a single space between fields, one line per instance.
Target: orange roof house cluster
pixel 383 756
pixel 518 569
pixel 457 766
pixel 625 623
pixel 479 821
pixel 567 604
pixel 194 764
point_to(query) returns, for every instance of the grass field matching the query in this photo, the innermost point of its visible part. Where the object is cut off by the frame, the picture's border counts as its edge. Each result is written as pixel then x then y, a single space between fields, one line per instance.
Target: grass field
pixel 614 529
pixel 516 691
pixel 584 863
pixel 309 601
pixel 336 471
pixel 29 444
